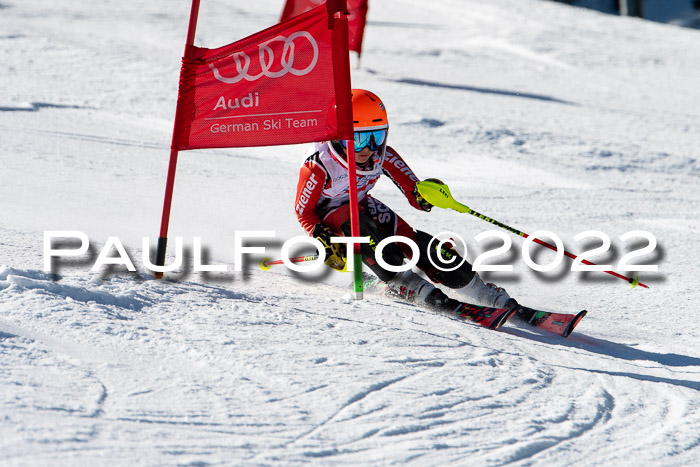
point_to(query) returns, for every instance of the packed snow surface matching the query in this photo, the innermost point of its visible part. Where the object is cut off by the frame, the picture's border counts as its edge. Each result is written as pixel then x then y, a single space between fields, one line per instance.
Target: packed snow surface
pixel 539 115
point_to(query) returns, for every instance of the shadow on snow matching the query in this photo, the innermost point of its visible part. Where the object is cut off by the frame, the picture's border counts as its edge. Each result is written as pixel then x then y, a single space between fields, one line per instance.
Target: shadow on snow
pixel 617 351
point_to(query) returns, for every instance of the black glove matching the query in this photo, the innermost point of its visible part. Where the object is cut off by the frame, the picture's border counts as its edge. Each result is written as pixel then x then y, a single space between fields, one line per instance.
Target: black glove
pixel 335 252
pixel 422 203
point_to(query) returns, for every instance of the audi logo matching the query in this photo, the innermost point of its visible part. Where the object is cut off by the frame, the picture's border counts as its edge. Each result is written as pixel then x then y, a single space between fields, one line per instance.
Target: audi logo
pixel 267 58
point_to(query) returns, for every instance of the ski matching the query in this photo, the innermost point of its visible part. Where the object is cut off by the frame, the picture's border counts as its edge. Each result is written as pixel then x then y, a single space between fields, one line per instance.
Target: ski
pixel 492 318
pixel 562 324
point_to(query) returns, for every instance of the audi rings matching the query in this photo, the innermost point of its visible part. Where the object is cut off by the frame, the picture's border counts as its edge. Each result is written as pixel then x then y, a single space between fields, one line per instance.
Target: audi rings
pixel 267 58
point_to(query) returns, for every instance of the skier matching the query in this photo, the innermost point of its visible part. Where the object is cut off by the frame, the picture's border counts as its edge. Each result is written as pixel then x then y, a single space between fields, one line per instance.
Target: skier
pixel 323 211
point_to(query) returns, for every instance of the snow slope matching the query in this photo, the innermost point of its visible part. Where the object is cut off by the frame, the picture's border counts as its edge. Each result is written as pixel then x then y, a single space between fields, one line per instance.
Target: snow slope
pixel 537 114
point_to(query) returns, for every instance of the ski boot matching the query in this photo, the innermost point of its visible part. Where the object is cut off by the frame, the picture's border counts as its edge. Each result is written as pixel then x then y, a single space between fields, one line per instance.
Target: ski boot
pixel 409 286
pixel 487 294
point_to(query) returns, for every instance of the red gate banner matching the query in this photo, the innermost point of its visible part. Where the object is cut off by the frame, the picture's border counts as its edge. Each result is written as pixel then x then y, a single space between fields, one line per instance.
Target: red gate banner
pixel 286 84
pixel 357 17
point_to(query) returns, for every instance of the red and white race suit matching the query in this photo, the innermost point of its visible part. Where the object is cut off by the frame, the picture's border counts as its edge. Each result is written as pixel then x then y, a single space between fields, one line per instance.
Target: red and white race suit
pixel 323 194
pixel 323 190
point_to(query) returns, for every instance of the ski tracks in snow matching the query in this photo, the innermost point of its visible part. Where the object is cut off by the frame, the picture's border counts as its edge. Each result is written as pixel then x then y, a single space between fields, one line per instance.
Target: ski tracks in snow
pixel 439 392
pixel 92 358
pixel 267 372
pixel 546 395
pixel 613 405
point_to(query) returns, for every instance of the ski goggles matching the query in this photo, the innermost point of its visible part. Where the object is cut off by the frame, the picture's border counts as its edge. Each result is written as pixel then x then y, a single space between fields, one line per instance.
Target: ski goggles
pixel 371 139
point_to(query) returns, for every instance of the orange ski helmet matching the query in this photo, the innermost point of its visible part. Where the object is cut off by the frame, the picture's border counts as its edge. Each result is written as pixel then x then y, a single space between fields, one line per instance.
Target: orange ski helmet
pixel 368 111
pixel 369 121
pixel 371 127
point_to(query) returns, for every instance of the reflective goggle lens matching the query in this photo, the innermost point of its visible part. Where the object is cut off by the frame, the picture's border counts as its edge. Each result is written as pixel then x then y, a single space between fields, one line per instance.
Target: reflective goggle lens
pixel 372 139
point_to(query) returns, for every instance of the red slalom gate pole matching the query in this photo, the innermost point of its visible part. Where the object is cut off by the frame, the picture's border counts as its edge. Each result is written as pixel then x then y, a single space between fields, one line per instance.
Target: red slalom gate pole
pixel 355 222
pixel 172 164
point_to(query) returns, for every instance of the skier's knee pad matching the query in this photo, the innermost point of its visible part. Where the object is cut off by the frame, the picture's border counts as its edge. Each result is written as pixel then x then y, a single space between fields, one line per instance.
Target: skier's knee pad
pixel 439 269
